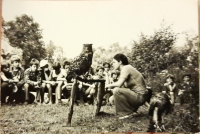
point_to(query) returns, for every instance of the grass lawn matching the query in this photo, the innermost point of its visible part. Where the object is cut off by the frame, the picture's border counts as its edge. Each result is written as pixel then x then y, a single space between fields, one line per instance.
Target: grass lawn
pixel 43 119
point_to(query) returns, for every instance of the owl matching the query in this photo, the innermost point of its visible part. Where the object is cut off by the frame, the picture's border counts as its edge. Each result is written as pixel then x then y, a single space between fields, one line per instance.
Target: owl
pixel 80 64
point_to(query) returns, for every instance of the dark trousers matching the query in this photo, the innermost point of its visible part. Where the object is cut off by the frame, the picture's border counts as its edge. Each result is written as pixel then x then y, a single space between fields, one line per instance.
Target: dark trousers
pixel 19 95
pixel 6 90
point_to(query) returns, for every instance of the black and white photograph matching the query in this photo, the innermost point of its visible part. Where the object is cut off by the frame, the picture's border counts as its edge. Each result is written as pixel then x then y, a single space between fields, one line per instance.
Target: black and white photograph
pixel 99 66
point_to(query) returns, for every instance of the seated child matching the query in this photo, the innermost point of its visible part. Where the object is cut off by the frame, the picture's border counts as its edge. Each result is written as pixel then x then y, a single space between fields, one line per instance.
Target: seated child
pixel 187 89
pixel 18 73
pixel 58 75
pixel 108 96
pixel 46 80
pixel 8 83
pixel 33 81
pixel 92 89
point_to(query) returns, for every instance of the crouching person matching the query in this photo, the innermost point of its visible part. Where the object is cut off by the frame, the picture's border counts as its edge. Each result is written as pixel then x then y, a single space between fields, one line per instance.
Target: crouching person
pixel 8 83
pixel 33 81
pixel 159 105
pixel 133 94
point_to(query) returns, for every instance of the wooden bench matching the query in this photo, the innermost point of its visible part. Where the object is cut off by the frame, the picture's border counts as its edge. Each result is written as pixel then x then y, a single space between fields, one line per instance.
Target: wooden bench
pixel 98 96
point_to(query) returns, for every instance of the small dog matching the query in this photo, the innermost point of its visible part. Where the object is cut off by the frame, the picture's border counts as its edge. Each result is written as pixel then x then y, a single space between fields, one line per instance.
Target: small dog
pixel 159 105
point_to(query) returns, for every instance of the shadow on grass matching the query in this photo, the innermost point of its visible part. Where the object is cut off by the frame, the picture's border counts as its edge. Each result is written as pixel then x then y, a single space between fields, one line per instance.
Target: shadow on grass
pixel 104 114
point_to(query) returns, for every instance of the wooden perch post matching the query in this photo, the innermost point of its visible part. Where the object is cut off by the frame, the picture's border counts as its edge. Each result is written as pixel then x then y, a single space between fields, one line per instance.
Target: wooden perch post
pixel 98 97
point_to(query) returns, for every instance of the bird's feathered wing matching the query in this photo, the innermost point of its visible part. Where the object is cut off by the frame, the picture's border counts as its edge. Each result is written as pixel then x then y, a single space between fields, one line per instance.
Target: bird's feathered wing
pixel 80 64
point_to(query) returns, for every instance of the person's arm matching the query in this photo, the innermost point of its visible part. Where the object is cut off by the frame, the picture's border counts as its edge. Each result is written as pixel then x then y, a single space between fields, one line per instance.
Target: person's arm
pixel 26 78
pixel 122 78
pixel 21 80
pixel 39 78
pixel 172 87
pixel 4 78
pixel 47 78
pixel 107 78
pixel 119 83
pixel 62 76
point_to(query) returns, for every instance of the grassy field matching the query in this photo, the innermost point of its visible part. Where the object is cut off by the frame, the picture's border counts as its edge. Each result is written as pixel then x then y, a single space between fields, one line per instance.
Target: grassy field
pixel 43 119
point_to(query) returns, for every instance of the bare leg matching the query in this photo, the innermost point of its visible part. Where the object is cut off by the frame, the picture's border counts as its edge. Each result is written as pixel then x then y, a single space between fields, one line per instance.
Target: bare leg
pixel 50 93
pixel 59 91
pixel 26 90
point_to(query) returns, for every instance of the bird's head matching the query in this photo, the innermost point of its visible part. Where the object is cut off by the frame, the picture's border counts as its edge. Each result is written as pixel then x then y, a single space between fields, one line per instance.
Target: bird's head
pixel 87 50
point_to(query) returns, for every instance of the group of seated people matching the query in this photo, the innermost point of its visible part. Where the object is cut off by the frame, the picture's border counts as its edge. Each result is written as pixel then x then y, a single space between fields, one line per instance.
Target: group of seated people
pixel 41 77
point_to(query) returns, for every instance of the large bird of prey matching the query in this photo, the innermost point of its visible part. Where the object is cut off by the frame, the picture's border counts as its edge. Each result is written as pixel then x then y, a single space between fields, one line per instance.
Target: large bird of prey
pixel 80 64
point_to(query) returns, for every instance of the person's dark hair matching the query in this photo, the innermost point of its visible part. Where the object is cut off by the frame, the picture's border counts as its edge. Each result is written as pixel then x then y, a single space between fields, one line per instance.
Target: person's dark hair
pixel 34 62
pixel 106 63
pixel 15 58
pixel 98 68
pixel 66 63
pixel 121 57
pixel 5 64
pixel 56 65
pixel 189 75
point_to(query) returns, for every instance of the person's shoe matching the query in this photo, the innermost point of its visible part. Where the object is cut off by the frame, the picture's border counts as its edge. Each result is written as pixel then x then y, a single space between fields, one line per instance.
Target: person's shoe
pixel 127 116
pixel 59 103
pixel 37 102
pixel 43 103
pixel 25 103
pixel 50 103
pixel 12 103
pixel 47 100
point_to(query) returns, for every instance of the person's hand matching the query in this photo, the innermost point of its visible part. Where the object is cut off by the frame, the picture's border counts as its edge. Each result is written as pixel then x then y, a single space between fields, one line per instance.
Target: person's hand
pixel 15 80
pixel 80 86
pixel 53 83
pixel 180 92
pixel 166 84
pixel 107 88
pixel 93 85
pixel 35 83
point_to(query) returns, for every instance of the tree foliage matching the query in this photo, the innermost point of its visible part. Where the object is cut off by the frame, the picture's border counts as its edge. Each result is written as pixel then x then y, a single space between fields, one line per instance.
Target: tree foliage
pixel 102 55
pixel 50 48
pixel 152 53
pixel 25 34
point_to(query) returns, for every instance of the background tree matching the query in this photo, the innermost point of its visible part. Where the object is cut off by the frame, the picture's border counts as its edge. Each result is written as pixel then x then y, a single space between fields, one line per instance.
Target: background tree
pixel 102 55
pixel 151 53
pixel 50 49
pixel 25 34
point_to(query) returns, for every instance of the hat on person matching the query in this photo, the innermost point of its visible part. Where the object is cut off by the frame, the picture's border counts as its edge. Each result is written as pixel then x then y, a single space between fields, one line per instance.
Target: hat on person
pixel 170 76
pixel 43 63
pixel 15 58
pixel 66 62
pixel 189 75
pixel 4 64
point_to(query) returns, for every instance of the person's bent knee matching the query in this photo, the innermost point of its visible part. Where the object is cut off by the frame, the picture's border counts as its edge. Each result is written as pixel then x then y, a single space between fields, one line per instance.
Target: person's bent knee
pixel 26 86
pixel 43 85
pixel 115 90
pixel 60 83
pixel 48 86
